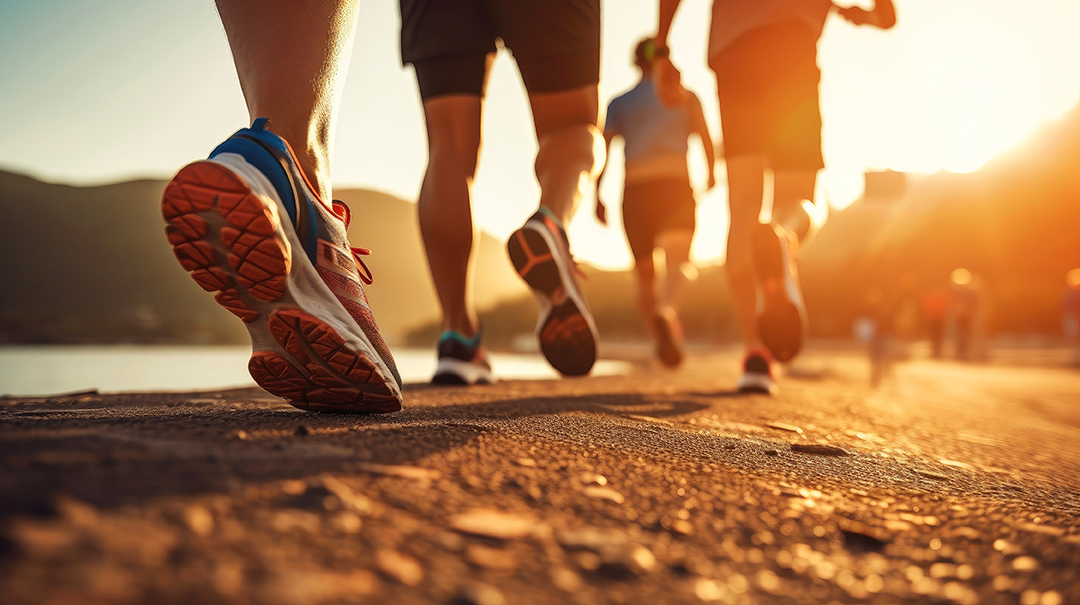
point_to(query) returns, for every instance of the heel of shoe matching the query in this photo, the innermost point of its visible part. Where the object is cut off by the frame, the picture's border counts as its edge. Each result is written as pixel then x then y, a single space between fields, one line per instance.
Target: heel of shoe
pixel 226 238
pixel 781 327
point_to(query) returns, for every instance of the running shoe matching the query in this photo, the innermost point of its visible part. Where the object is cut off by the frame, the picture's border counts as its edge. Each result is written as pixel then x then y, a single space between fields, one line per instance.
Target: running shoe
pixel 461 360
pixel 247 224
pixel 781 313
pixel 757 374
pixel 540 252
pixel 669 338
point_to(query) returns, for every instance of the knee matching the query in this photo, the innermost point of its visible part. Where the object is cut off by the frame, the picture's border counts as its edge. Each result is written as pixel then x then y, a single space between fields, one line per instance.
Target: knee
pixel 578 146
pixel 452 159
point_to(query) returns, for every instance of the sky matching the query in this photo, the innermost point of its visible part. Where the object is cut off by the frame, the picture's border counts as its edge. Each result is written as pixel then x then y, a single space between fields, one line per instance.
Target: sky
pixel 95 92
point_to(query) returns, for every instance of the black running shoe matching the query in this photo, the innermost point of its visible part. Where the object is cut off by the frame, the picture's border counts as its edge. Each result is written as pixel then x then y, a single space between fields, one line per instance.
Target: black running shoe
pixel 461 360
pixel 757 374
pixel 540 252
pixel 781 312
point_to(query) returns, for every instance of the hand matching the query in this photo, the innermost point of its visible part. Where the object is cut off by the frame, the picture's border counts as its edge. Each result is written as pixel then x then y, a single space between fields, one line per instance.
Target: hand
pixel 883 15
pixel 856 15
pixel 668 83
pixel 601 212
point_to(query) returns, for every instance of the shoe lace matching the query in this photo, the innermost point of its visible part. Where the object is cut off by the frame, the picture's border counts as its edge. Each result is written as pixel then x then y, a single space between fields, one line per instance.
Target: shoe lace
pixel 341 209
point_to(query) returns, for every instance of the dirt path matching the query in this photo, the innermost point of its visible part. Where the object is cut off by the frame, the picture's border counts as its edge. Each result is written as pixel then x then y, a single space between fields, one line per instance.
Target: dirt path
pixel 950 484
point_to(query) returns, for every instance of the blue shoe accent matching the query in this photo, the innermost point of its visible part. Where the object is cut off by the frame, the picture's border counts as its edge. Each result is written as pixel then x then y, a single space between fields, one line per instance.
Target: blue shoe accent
pixel 453 335
pixel 461 360
pixel 269 154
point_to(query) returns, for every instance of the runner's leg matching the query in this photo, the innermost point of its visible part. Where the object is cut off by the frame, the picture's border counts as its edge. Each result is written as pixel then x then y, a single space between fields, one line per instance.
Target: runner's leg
pixel 645 270
pixel 571 147
pixel 746 178
pixel 790 188
pixel 676 246
pixel 453 130
pixel 291 58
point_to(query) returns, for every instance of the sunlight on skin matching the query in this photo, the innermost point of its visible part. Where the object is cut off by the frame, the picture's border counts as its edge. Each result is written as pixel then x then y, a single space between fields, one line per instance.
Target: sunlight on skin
pixel 953 84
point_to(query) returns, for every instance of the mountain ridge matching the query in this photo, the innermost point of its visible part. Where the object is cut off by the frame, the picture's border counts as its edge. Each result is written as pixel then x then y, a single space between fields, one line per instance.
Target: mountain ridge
pixel 91 264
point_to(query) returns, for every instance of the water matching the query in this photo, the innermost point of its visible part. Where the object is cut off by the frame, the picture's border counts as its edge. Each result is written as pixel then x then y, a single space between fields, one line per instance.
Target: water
pixel 47 370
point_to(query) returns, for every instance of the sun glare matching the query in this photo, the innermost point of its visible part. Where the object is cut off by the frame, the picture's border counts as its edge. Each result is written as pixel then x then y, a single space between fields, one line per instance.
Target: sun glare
pixel 973 91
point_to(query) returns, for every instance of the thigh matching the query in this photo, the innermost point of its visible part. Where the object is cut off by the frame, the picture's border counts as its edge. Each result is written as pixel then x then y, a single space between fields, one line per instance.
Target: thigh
pixel 556 43
pixel 676 199
pixel 555 110
pixel 638 222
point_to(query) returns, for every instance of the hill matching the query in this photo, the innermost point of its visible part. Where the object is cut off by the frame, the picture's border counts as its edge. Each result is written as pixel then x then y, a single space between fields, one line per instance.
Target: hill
pixel 1013 223
pixel 91 265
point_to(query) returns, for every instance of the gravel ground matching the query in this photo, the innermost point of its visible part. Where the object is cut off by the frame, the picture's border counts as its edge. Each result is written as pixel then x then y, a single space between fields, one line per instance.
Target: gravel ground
pixel 949 484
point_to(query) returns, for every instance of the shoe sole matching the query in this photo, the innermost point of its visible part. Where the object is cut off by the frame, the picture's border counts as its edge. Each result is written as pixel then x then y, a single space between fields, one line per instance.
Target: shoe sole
pixel 781 323
pixel 667 349
pixel 756 386
pixel 567 336
pixel 457 372
pixel 232 243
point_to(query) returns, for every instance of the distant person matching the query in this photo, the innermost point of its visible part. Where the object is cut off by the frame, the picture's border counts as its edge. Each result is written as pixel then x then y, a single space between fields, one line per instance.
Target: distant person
pixel 965 303
pixel 658 202
pixel 881 313
pixel 764 55
pixel 1070 307
pixel 935 311
pixel 556 43
pixel 256 222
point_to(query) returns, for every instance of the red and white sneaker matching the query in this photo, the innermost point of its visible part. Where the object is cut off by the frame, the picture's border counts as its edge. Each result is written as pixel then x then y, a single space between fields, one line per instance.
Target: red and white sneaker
pixel 757 376
pixel 247 224
pixel 540 252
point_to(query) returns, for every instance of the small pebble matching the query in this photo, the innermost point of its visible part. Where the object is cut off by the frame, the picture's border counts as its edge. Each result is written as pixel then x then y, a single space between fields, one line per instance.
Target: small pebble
pixel 819 449
pixel 495 524
pixel 478 593
pixel 400 567
pixel 604 493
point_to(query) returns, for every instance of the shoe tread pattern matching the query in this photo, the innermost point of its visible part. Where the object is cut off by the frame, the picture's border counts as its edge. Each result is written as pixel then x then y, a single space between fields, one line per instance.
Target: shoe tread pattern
pixel 565 338
pixel 257 258
pixel 328 376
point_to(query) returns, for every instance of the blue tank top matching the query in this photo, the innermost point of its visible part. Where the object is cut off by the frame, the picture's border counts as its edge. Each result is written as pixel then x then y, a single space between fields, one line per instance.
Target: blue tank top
pixel 649 128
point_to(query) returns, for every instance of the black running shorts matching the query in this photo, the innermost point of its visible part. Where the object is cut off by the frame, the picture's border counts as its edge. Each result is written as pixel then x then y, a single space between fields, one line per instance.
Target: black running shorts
pixel 556 43
pixel 653 207
pixel 767 81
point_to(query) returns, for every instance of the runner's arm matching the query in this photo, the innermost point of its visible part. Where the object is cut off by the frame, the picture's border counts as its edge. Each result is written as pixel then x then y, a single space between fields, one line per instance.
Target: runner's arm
pixel 667 14
pixel 666 76
pixel 609 134
pixel 699 127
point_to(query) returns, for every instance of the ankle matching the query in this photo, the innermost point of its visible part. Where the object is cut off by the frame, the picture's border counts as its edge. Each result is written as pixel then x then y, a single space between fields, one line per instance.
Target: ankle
pixel 465 327
pixel 559 220
pixel 312 155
